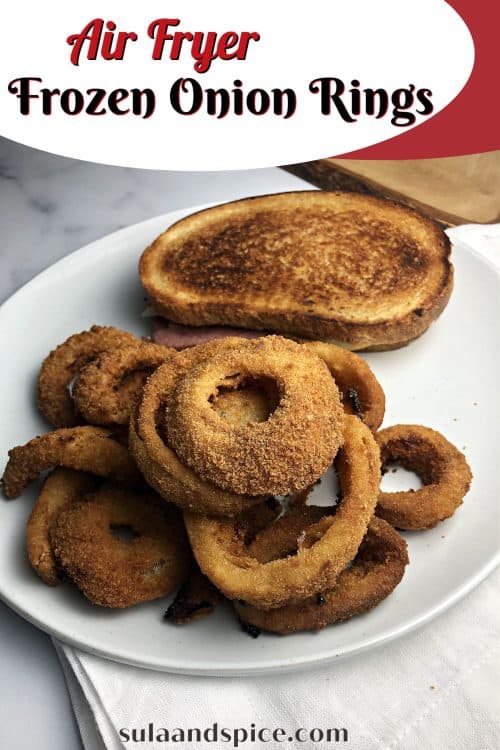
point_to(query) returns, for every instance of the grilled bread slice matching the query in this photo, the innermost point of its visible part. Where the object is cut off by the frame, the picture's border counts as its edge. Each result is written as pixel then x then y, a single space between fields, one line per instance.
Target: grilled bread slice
pixel 360 271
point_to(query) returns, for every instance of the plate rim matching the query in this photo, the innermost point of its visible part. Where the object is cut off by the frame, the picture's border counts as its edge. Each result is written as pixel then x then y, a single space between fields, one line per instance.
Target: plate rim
pixel 277 666
pixel 259 667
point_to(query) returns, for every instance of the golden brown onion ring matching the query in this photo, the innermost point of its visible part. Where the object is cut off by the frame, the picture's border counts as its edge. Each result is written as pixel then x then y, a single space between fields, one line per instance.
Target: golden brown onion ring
pixel 283 454
pixel 198 597
pixel 61 488
pixel 63 363
pixel 361 392
pixel 117 572
pixel 178 484
pixel 375 572
pixel 88 449
pixel 155 458
pixel 98 392
pixel 220 550
pixel 444 472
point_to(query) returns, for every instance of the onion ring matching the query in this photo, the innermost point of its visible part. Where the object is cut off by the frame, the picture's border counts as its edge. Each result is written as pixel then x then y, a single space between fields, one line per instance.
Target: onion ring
pixel 97 394
pixel 62 364
pixel 80 448
pixel 375 572
pixel 61 488
pixel 288 451
pixel 198 597
pixel 220 550
pixel 156 460
pixel 178 484
pixel 110 571
pixel 360 390
pixel 443 469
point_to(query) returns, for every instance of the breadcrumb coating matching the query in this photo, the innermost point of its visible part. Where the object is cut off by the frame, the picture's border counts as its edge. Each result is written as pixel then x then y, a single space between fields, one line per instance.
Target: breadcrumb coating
pixel 285 453
pixel 63 363
pixel 443 469
pixel 114 572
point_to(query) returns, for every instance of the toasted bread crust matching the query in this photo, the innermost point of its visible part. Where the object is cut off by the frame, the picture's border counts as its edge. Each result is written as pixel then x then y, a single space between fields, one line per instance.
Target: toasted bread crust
pixel 350 268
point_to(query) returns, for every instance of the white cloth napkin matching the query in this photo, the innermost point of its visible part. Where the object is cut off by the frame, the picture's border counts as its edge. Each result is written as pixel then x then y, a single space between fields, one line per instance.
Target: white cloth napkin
pixel 436 688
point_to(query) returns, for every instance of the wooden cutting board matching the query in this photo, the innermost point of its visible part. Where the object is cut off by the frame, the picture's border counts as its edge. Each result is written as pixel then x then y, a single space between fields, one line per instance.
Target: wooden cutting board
pixel 453 190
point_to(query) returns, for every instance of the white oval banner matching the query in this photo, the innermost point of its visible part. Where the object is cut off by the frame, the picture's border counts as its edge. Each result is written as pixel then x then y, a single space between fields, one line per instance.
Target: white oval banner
pixel 194 85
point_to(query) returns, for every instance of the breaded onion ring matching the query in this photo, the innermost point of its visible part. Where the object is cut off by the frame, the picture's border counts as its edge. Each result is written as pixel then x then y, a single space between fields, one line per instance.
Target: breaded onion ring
pixel 444 472
pixel 80 448
pixel 156 460
pixel 61 488
pixel 98 393
pixel 284 454
pixel 196 598
pixel 360 390
pixel 179 484
pixel 114 572
pixel 287 534
pixel 220 550
pixel 62 364
pixel 375 572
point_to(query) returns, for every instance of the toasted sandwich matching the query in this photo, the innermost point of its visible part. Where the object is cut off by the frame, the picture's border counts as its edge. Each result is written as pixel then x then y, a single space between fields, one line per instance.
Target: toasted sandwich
pixel 359 271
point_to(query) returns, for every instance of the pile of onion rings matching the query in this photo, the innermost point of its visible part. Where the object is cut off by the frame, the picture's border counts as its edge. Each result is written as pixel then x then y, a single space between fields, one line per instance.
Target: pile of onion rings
pixel 375 572
pixel 235 432
pixel 263 430
pixel 328 546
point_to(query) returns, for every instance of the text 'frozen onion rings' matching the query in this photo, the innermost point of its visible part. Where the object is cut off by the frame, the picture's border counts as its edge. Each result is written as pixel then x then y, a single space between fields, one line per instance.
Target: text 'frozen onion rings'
pixel 220 549
pixel 98 392
pixel 361 392
pixel 285 453
pixel 88 449
pixel 114 572
pixel 61 488
pixel 63 363
pixel 444 472
pixel 375 572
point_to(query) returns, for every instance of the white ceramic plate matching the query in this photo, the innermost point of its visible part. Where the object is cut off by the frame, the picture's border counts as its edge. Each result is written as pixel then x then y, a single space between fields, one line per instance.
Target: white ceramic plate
pixel 448 380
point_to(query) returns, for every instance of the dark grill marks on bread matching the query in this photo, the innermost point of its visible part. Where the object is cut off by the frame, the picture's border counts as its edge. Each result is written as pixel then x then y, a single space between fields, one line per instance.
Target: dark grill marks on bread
pixel 343 267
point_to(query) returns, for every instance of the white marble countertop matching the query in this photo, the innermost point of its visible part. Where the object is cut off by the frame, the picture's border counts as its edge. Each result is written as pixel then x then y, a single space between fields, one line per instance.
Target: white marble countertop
pixel 50 206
